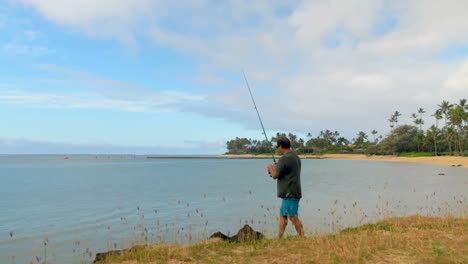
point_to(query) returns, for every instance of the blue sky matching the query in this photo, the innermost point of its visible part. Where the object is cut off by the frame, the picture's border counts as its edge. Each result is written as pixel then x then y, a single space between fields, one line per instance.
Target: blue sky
pixel 160 77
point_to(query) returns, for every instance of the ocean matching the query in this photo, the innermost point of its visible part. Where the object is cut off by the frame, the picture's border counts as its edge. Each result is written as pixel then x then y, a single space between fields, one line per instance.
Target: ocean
pixel 65 209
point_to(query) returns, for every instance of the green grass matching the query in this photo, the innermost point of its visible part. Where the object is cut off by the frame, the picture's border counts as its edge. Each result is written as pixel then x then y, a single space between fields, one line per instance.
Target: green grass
pixel 416 154
pixel 373 227
pixel 414 239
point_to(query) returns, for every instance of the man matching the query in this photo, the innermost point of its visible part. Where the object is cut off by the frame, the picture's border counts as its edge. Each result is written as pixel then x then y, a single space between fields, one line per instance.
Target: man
pixel 288 174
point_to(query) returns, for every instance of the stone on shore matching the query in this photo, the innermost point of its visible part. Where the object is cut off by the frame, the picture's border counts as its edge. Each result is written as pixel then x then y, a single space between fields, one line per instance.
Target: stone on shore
pixel 245 234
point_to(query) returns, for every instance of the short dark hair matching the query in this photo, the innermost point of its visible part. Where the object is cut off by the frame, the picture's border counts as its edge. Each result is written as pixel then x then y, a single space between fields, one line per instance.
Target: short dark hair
pixel 283 142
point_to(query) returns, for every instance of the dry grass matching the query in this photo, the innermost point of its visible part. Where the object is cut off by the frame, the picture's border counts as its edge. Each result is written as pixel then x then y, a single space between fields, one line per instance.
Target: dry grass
pixel 413 239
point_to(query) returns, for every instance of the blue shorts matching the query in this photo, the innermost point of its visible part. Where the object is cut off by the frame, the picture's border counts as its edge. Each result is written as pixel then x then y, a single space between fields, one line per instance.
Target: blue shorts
pixel 289 207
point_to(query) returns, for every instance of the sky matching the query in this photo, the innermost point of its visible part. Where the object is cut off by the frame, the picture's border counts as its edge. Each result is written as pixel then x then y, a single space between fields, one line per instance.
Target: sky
pixel 165 77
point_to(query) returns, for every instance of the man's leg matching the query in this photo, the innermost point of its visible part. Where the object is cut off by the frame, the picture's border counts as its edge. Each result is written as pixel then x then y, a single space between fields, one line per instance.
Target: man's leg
pixel 283 222
pixel 297 224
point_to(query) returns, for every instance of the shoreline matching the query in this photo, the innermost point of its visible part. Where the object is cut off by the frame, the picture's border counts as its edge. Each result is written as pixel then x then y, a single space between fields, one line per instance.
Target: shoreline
pixel 452 161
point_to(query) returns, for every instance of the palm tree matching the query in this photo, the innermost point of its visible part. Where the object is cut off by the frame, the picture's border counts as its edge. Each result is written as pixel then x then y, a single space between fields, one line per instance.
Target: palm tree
pixel 396 115
pixel 456 117
pixel 433 132
pixel 438 116
pixel 308 143
pixel 464 105
pixel 342 141
pixel 421 111
pixel 361 139
pixel 444 108
pixel 414 117
pixel 374 132
pixel 394 120
pixel 392 123
pixel 336 135
pixel 449 134
pixel 327 136
pixel 421 122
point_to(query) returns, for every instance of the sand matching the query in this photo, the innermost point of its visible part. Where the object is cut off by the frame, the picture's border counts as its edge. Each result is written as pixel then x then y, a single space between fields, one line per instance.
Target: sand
pixel 443 160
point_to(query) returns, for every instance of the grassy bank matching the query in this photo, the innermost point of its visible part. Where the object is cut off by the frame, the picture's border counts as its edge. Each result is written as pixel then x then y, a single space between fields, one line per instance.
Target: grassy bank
pixel 413 239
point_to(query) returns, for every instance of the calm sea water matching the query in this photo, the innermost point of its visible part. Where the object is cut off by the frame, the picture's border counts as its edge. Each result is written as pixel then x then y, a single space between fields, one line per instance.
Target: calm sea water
pixel 65 210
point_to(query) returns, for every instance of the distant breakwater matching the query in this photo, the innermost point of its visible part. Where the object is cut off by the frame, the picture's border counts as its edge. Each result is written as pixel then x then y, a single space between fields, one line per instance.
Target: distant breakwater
pixel 223 157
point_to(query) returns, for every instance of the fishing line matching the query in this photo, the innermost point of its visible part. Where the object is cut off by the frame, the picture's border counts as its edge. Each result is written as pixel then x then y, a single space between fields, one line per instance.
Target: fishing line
pixel 258 114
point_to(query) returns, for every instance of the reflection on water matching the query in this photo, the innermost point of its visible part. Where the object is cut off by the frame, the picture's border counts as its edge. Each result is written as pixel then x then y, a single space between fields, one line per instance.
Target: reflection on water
pixel 67 209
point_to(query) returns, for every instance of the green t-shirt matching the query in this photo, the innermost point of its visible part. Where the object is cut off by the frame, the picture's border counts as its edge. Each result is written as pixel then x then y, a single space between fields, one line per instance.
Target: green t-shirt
pixel 289 181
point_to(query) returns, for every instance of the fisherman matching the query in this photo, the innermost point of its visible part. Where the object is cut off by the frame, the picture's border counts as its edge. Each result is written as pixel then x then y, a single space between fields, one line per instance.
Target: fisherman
pixel 288 173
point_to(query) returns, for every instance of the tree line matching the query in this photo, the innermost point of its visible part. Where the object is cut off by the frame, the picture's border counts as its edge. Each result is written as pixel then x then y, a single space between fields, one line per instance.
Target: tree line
pixel 448 136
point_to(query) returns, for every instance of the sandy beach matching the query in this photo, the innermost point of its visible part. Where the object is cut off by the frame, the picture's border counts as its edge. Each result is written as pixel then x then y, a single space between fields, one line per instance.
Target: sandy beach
pixel 441 160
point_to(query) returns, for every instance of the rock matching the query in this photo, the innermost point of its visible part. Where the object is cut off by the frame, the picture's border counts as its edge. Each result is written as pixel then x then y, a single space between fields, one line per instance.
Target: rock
pixel 245 234
pixel 102 256
pixel 220 235
pixel 442 174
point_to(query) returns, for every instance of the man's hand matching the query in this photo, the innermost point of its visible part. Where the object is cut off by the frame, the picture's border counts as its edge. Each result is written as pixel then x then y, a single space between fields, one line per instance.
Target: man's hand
pixel 271 168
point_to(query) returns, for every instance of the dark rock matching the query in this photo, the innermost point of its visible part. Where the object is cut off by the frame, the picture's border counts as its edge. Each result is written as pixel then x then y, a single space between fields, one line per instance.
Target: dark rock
pixel 220 235
pixel 245 234
pixel 102 256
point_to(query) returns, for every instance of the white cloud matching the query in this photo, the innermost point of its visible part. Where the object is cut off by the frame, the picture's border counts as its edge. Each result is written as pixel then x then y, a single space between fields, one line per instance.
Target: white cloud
pixel 458 81
pixel 25 43
pixel 30 146
pixel 32 35
pixel 425 26
pixel 70 88
pixel 300 82
pixel 356 85
pixel 13 48
pixel 152 102
pixel 314 19
pixel 104 18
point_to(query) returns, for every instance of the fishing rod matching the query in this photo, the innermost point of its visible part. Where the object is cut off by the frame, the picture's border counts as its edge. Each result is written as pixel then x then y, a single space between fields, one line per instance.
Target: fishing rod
pixel 258 114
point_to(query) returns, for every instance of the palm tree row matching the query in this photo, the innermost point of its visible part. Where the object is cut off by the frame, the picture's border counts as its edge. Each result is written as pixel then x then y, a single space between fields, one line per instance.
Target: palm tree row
pixel 449 139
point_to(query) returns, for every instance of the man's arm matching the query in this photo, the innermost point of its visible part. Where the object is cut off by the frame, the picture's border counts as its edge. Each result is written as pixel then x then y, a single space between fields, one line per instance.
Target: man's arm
pixel 272 171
